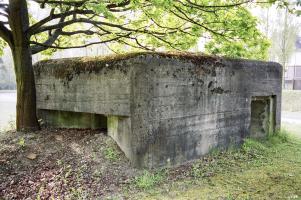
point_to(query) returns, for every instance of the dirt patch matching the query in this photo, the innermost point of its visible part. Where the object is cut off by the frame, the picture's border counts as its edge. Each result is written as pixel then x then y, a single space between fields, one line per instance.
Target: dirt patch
pixel 63 164
pixel 71 164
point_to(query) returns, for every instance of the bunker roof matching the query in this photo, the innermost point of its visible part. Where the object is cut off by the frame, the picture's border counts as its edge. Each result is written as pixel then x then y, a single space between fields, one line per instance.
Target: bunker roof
pixel 80 64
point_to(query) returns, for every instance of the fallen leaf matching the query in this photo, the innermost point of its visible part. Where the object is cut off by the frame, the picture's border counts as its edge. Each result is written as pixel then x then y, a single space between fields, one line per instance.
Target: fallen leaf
pixel 31 156
pixel 58 137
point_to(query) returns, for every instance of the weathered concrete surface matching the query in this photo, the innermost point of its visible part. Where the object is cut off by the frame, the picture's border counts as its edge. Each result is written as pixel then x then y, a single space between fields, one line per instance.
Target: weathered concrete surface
pixel 67 119
pixel 165 109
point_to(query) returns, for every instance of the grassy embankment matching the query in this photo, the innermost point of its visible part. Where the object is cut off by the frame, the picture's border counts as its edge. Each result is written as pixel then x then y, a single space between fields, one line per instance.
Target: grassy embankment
pixel 269 169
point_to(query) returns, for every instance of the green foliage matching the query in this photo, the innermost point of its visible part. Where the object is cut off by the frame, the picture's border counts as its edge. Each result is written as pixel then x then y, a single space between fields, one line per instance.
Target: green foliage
pixel 148 180
pixel 21 142
pixel 280 136
pixel 254 148
pixel 111 154
pixel 246 42
pixel 196 171
pixel 168 25
pixel 2 46
pixel 258 148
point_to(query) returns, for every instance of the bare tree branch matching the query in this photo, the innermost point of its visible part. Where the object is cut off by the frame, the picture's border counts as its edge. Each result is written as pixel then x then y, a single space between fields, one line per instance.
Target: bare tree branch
pixel 6 34
pixel 185 17
pixel 219 6
pixel 51 17
pixel 79 46
pixel 80 3
pixel 58 2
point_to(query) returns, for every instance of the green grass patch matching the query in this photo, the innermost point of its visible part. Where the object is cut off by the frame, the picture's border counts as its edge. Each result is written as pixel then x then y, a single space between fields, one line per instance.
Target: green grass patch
pixel 261 169
pixel 148 180
pixel 111 154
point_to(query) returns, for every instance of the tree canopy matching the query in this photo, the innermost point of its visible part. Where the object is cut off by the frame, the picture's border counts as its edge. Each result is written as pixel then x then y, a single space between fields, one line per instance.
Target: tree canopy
pixel 229 27
pixel 151 25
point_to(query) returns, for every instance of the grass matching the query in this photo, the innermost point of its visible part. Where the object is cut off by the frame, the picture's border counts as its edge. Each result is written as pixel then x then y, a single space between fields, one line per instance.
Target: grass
pixel 148 180
pixel 111 154
pixel 267 169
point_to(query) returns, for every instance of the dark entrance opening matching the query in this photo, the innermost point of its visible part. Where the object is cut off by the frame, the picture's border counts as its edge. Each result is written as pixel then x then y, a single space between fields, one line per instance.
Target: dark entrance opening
pixel 67 119
pixel 262 116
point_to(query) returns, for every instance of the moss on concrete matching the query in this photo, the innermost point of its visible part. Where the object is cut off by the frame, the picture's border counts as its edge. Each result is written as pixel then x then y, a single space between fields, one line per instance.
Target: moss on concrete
pixel 68 67
pixel 64 68
pixel 112 125
pixel 65 119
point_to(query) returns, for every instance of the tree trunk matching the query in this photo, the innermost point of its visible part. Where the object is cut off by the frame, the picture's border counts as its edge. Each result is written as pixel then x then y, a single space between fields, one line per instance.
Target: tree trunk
pixel 26 94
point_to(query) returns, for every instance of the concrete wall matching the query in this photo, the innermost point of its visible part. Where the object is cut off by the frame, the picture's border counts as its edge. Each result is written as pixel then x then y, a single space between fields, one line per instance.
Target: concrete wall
pixel 82 85
pixel 163 109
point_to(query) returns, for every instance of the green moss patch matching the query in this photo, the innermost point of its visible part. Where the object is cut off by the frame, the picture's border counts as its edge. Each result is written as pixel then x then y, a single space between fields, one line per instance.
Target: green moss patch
pixel 67 67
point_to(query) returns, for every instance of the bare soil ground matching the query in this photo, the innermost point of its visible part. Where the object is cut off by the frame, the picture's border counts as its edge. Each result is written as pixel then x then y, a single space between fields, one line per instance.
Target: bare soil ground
pixel 61 164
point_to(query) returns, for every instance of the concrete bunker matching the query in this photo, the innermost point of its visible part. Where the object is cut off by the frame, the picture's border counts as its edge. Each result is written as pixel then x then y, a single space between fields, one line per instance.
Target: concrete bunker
pixel 162 108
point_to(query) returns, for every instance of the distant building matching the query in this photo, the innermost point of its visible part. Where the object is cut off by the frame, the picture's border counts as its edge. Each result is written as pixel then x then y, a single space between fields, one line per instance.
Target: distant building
pixel 292 76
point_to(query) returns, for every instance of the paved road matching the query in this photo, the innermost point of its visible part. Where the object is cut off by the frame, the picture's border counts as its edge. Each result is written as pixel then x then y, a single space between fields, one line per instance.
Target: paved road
pixel 291 117
pixel 7 107
pixel 291 121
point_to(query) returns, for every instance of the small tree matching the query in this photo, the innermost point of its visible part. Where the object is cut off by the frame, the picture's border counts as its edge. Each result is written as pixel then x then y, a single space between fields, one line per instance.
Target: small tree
pixel 148 25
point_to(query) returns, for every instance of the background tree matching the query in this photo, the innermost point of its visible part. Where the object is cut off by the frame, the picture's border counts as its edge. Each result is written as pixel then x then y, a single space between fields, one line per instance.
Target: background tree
pixel 142 24
pixel 286 33
pixel 282 27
